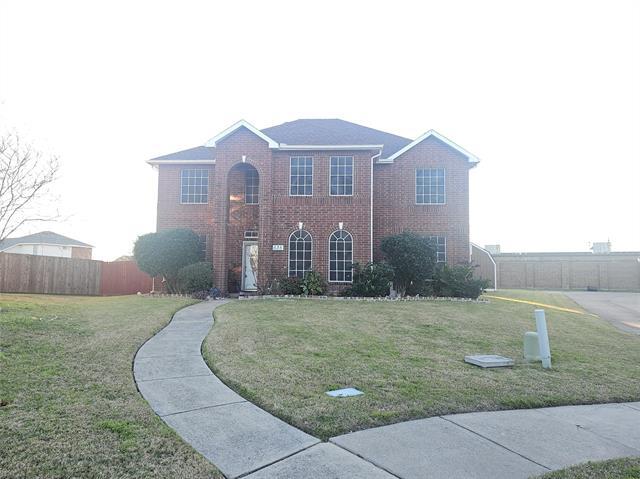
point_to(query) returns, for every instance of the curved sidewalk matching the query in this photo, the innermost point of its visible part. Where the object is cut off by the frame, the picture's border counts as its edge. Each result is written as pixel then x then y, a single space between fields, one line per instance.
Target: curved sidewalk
pixel 243 440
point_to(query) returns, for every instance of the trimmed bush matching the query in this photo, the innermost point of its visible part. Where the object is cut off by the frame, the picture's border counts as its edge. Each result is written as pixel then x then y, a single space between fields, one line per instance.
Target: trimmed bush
pixel 195 277
pixel 313 284
pixel 413 259
pixel 371 281
pixel 166 252
pixel 458 282
pixel 288 285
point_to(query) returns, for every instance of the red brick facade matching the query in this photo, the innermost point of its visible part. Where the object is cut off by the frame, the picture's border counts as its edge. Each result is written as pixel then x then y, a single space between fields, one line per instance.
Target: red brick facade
pixel 226 217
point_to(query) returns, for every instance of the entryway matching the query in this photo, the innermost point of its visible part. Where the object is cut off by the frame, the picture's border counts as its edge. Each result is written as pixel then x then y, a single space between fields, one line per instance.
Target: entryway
pixel 249 265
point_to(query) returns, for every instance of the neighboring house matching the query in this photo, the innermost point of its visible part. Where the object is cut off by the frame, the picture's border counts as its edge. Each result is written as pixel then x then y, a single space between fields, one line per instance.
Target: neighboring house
pixel 313 194
pixel 47 243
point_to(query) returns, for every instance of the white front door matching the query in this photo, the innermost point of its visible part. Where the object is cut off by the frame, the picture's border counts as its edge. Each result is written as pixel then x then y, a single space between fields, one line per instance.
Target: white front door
pixel 249 266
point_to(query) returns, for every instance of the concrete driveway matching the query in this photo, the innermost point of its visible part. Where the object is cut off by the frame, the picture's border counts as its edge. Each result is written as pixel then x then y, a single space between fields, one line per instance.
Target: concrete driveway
pixel 620 309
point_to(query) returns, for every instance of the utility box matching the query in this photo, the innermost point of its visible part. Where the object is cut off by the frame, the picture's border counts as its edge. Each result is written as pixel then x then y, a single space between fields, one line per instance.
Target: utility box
pixel 531 346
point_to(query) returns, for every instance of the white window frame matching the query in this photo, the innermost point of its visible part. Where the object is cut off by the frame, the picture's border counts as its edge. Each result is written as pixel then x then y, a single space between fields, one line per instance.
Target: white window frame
pixel 444 179
pixel 329 258
pixel 353 174
pixel 289 254
pixel 181 185
pixel 291 158
pixel 435 237
pixel 252 170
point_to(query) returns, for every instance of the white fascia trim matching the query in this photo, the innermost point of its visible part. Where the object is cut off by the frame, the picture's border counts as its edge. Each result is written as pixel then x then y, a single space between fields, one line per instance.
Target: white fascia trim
pixel 242 123
pixel 284 146
pixel 181 162
pixel 472 158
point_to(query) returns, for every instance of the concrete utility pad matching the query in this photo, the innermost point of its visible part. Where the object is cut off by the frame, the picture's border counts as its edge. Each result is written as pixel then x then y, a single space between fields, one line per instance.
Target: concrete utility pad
pixel 239 438
pixel 488 360
pixel 542 438
pixel 170 396
pixel 322 461
pixel 145 369
pixel 613 421
pixel 436 448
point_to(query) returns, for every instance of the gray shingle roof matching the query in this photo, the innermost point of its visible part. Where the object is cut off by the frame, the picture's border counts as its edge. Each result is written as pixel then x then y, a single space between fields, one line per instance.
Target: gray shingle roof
pixel 192 154
pixel 334 132
pixel 309 132
pixel 43 237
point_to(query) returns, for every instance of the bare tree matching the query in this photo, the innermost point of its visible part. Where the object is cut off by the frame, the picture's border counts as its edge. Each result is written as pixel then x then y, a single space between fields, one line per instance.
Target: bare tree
pixel 25 177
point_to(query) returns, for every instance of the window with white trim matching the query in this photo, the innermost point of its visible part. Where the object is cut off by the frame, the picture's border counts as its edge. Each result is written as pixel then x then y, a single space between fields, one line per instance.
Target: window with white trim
pixel 301 176
pixel 300 249
pixel 251 187
pixel 430 186
pixel 340 257
pixel 194 186
pixel 440 244
pixel 341 183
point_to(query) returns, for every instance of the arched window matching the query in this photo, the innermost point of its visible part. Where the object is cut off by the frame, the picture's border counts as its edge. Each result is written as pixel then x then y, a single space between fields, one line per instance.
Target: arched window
pixel 300 245
pixel 340 257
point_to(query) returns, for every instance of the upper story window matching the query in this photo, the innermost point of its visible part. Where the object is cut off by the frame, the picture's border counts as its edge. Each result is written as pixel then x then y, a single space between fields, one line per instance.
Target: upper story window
pixel 341 183
pixel 440 244
pixel 430 186
pixel 301 176
pixel 300 247
pixel 251 187
pixel 194 186
pixel 340 257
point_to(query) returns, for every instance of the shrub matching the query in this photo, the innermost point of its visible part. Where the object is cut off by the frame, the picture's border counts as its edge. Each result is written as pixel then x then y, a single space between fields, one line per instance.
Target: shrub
pixel 288 285
pixel 313 284
pixel 200 295
pixel 458 282
pixel 413 259
pixel 166 252
pixel 195 277
pixel 372 281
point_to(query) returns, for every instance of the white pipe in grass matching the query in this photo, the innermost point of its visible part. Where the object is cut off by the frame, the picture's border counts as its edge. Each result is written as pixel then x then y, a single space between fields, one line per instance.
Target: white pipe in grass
pixel 543 338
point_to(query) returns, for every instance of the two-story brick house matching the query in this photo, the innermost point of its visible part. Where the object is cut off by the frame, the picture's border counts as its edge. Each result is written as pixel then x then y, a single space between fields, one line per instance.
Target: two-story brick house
pixel 313 194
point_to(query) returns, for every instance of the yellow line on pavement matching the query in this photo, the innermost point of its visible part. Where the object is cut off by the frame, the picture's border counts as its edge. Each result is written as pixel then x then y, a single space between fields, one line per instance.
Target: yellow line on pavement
pixel 558 308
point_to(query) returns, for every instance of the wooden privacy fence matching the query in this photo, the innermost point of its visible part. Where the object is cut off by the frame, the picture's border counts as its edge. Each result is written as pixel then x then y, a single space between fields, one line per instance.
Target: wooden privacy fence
pixel 21 273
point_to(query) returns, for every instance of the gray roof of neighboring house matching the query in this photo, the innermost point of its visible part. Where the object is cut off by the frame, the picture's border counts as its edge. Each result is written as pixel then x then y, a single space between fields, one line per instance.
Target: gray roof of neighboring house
pixel 309 132
pixel 43 237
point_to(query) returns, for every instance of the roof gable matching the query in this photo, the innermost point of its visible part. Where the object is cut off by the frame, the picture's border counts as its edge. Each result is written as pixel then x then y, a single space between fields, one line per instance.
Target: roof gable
pixel 236 126
pixel 432 133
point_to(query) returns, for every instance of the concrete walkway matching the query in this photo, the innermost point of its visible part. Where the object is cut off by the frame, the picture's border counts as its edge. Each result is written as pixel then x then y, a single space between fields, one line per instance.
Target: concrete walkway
pixel 242 440
pixel 620 309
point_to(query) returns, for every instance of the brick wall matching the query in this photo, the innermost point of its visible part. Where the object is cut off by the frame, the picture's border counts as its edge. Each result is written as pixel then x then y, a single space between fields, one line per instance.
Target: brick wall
pixel 395 209
pixel 577 271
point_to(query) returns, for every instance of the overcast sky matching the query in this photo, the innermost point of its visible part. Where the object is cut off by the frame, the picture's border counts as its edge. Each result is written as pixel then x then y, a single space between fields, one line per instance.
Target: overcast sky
pixel 545 93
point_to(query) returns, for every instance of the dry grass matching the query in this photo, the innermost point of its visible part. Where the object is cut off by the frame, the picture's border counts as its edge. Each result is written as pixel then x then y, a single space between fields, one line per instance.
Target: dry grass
pixel 70 405
pixel 407 358
pixel 626 468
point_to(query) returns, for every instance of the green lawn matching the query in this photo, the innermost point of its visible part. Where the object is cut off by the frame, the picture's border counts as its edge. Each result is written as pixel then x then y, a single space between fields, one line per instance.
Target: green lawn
pixel 407 358
pixel 627 468
pixel 69 405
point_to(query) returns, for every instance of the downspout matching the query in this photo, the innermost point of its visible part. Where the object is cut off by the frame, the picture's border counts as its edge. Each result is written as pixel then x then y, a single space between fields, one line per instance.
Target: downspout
pixel 373 158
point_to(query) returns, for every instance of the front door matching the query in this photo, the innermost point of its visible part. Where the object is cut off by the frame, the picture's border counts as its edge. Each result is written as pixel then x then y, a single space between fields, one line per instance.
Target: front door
pixel 249 266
